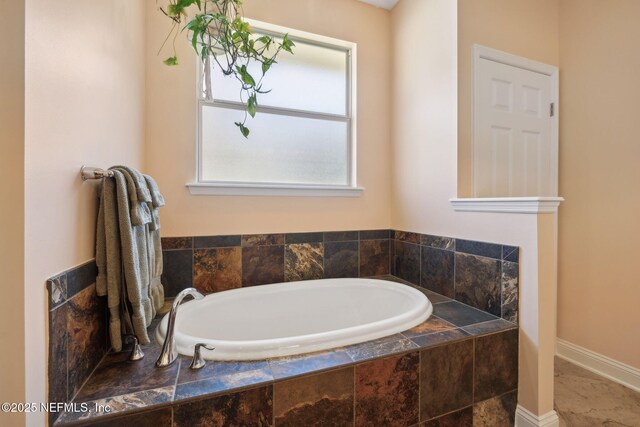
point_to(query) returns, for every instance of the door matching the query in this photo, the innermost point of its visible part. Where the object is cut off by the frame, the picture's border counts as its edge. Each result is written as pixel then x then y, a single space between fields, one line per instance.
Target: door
pixel 515 143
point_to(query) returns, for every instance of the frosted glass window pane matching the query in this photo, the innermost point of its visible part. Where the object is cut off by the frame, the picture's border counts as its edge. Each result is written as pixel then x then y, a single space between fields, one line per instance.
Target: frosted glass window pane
pixel 280 149
pixel 314 79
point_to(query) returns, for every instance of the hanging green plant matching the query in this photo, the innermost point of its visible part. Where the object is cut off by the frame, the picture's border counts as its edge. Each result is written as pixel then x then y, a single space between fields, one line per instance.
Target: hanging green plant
pixel 218 33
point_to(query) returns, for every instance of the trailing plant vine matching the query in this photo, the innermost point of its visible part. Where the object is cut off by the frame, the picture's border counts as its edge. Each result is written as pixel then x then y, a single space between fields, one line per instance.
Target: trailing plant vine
pixel 218 33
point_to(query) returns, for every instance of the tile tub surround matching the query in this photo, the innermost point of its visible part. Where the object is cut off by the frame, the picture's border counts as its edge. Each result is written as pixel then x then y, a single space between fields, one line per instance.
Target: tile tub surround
pixel 218 263
pixel 401 380
pixel 483 275
pixel 77 331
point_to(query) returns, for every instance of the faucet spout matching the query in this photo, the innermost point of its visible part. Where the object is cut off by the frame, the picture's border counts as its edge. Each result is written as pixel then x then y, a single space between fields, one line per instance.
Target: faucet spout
pixel 169 354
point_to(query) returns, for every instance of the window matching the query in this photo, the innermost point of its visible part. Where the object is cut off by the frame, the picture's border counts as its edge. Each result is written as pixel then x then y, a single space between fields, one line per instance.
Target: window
pixel 302 140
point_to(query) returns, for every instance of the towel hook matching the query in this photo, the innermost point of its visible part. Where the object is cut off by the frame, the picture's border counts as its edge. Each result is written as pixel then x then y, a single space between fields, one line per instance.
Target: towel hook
pixel 87 172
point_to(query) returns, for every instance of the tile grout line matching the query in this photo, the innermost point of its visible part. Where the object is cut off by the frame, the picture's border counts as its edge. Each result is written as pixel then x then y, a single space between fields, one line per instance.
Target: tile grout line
pixel 389 259
pixel 359 268
pixel 193 266
pixel 354 394
pixel 420 266
pixel 455 264
pixel 273 401
pixel 502 289
pixel 66 355
pixel 420 386
pixel 449 413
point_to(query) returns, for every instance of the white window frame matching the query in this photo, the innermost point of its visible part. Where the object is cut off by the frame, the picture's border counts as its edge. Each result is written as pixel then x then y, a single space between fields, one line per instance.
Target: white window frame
pixel 230 188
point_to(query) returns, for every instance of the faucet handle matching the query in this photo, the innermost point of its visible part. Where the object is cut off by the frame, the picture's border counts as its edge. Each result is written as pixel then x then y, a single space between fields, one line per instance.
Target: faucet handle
pixel 136 352
pixel 198 361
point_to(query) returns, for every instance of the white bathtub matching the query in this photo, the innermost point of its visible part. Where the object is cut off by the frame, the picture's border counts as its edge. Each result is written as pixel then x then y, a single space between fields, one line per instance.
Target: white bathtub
pixel 297 317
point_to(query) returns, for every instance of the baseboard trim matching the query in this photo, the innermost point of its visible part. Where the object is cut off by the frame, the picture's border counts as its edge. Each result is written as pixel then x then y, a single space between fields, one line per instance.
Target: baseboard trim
pixel 525 418
pixel 604 366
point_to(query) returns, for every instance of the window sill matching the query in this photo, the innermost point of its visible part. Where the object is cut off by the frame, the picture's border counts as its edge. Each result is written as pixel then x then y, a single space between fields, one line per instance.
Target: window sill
pixel 225 189
pixel 524 205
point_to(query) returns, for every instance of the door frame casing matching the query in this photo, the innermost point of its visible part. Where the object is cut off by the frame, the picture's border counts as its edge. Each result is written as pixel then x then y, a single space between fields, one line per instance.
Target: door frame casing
pixel 483 52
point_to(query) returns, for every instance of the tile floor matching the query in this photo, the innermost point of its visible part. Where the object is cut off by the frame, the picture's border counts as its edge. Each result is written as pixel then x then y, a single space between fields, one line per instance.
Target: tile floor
pixel 584 399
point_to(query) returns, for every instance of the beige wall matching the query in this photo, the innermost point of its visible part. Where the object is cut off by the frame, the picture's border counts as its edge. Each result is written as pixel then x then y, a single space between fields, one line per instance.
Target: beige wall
pixel 424 178
pixel 171 115
pixel 12 208
pixel 84 105
pixel 600 177
pixel 527 28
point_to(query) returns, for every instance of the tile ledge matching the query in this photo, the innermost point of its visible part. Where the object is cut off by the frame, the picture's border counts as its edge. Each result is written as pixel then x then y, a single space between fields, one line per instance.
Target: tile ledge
pixel 520 205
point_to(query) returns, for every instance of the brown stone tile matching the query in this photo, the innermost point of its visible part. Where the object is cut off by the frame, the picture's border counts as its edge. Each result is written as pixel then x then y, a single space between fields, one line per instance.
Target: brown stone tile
pixel 262 239
pixel 395 279
pixel 309 237
pixel 227 370
pixel 387 391
pixel 407 236
pixel 488 327
pixel 496 364
pixel 385 346
pixel 497 412
pixel 291 366
pixel 303 261
pixel 81 277
pixel 375 234
pixel 246 408
pixel 484 249
pixel 434 297
pixel 440 242
pixel 374 258
pixel 437 271
pixel 216 270
pixel 478 282
pixel 460 314
pixel 392 259
pixel 510 253
pixel 446 379
pixel 57 288
pixel 340 236
pixel 340 259
pixel 57 365
pixel 510 281
pixel 432 324
pixel 461 418
pixel 177 273
pixel 119 405
pixel 116 375
pixel 169 243
pixel 157 418
pixel 437 338
pixel 86 329
pixel 227 241
pixel 262 265
pixel 219 376
pixel 407 261
pixel 226 378
pixel 313 401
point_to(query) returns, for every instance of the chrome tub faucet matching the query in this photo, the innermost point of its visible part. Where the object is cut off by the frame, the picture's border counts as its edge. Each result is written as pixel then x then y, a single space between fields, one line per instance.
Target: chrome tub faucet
pixel 169 353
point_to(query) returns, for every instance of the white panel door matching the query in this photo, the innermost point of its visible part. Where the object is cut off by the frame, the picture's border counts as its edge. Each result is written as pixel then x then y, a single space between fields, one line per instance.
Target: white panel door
pixel 514 154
